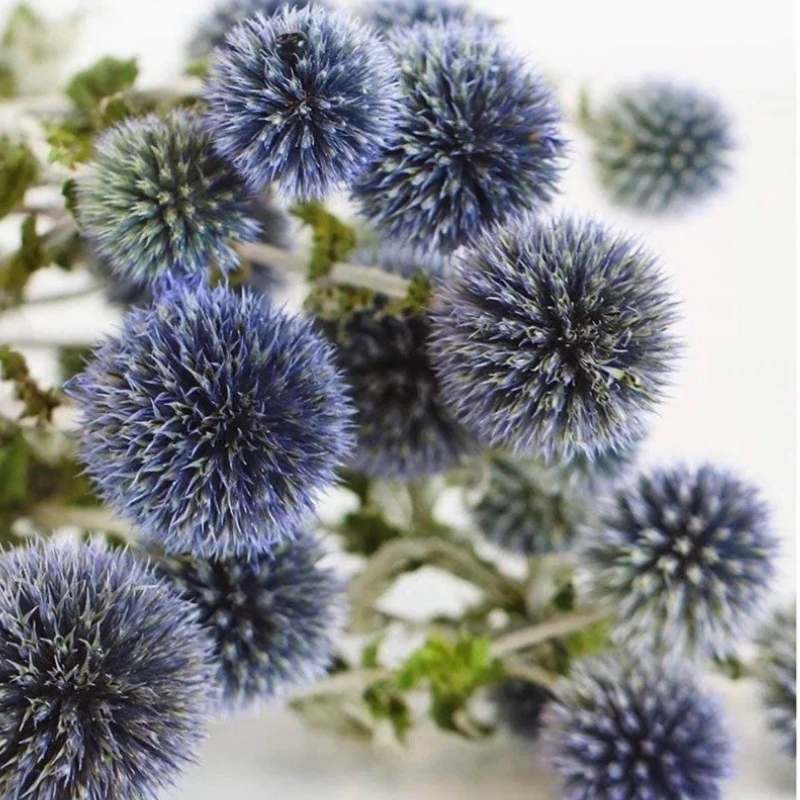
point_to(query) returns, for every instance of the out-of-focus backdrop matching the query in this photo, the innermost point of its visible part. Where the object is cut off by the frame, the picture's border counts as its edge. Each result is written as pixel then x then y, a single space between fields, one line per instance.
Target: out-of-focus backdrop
pixel 733 261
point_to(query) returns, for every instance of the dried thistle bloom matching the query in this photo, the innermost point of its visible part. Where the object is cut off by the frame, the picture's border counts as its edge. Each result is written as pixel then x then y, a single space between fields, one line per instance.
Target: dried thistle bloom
pixel 658 146
pixel 685 556
pixel 304 99
pixel 478 139
pixel 105 676
pixel 554 338
pixel 157 203
pixel 630 730
pixel 213 421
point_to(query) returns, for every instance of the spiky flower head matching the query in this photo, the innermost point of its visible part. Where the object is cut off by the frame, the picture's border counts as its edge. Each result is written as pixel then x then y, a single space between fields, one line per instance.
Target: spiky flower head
pixel 212 30
pixel 105 676
pixel 398 259
pixel 519 706
pixel 554 337
pixel 777 645
pixel 529 508
pixel 685 557
pixel 273 619
pixel 478 139
pixel 388 15
pixel 158 203
pixel 403 428
pixel 658 146
pixel 212 421
pixel 630 730
pixel 303 98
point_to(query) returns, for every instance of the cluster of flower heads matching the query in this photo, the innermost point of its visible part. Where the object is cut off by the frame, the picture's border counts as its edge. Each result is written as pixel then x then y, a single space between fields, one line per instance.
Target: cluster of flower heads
pixel 658 146
pixel 685 556
pixel 632 729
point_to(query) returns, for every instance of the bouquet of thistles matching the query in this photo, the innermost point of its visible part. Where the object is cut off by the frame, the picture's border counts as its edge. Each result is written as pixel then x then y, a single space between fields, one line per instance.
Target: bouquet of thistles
pixel 301 405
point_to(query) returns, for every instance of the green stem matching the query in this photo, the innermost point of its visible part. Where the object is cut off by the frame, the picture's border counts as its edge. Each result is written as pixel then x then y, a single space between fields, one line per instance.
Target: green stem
pixel 552 629
pixel 53 515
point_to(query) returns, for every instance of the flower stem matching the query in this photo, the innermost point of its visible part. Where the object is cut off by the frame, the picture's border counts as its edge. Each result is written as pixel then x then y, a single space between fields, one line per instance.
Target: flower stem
pixel 52 515
pixel 552 629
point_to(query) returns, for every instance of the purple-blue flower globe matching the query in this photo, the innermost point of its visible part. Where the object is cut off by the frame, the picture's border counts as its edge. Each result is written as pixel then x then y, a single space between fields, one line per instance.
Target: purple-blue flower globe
pixel 554 338
pixel 273 620
pixel 304 99
pixel 478 139
pixel 685 557
pixel 213 421
pixel 105 676
pixel 158 204
pixel 622 729
pixel 389 15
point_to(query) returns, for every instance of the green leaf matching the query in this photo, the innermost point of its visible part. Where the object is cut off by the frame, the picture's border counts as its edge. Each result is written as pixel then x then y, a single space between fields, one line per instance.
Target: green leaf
pixel 69 191
pixel 14 470
pixel 105 78
pixel 19 170
pixel 72 360
pixel 18 268
pixel 9 87
pixel 332 240
pixel 71 142
pixel 365 531
pixel 385 702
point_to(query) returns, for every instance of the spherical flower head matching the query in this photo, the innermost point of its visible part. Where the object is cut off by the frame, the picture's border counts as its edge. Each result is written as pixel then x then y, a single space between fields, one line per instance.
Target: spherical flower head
pixel 685 556
pixel 659 147
pixel 105 676
pixel 273 619
pixel 554 337
pixel 528 508
pixel 519 707
pixel 777 645
pixel 213 421
pixel 403 428
pixel 629 730
pixel 303 98
pixel 157 203
pixel 478 139
pixel 226 16
pixel 389 15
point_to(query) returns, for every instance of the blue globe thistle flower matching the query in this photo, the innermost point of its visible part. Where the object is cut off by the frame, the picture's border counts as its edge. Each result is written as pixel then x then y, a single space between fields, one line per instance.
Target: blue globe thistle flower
pixel 272 620
pixel 105 676
pixel 389 15
pixel 403 429
pixel 226 16
pixel 213 421
pixel 554 337
pixel 478 139
pixel 658 146
pixel 685 557
pixel 158 203
pixel 304 99
pixel 519 706
pixel 528 508
pixel 777 645
pixel 630 730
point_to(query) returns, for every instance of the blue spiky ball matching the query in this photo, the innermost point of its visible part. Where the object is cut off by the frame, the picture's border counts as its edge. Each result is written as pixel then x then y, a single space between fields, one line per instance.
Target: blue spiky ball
pixel 157 203
pixel 626 729
pixel 213 421
pixel 528 507
pixel 213 29
pixel 554 337
pixel 658 146
pixel 105 676
pixel 777 673
pixel 388 15
pixel 304 99
pixel 685 556
pixel 403 428
pixel 478 139
pixel 273 620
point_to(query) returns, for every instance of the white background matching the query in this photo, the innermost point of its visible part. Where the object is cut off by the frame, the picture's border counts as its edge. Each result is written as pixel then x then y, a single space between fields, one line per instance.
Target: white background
pixel 733 263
